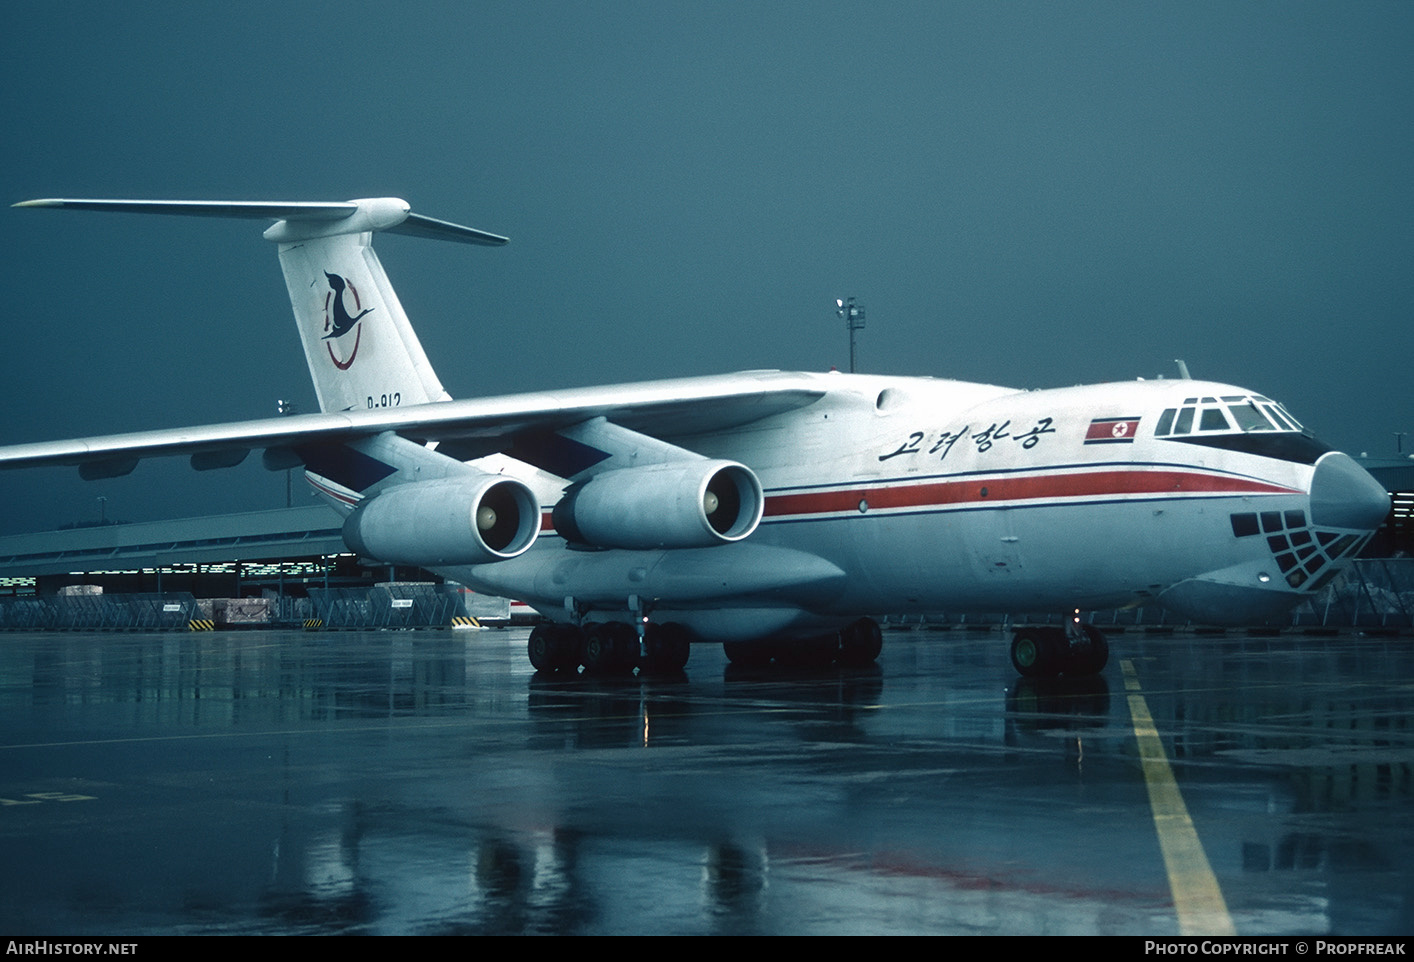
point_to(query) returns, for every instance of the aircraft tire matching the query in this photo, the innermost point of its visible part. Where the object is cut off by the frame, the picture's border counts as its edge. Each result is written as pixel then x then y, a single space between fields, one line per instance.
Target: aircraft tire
pixel 860 643
pixel 1038 652
pixel 1089 659
pixel 554 647
pixel 609 647
pixel 669 646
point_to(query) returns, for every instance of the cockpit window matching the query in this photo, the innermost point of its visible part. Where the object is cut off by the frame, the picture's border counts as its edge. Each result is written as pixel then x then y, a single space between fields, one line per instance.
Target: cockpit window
pixel 1181 420
pixel 1279 412
pixel 1240 422
pixel 1213 420
pixel 1247 412
pixel 1247 423
pixel 1248 416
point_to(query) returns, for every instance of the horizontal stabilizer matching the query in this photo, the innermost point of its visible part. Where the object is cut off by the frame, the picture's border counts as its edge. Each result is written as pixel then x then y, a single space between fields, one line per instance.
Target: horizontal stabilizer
pixel 419 225
pixel 389 214
pixel 257 210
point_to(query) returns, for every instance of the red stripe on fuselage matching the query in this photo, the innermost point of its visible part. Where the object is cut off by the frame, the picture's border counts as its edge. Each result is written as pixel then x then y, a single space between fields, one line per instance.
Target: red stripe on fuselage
pixel 985 490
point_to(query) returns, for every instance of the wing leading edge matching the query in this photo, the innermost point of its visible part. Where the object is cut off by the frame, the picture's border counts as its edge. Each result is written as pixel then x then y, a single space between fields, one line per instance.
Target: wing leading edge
pixel 671 408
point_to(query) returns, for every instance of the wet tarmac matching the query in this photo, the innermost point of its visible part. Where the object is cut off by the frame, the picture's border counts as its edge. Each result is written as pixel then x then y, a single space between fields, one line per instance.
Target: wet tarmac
pixel 429 782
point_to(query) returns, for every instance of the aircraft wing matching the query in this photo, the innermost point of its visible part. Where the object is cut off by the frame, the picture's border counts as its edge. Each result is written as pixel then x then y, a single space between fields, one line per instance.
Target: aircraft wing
pixel 673 408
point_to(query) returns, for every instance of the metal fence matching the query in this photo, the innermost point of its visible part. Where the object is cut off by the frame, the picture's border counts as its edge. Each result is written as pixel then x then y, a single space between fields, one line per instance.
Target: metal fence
pixel 404 605
pixel 384 606
pixel 1378 593
pixel 134 612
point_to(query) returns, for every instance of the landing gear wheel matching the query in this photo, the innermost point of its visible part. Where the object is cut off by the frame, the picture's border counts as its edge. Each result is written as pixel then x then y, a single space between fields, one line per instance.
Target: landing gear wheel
pixel 554 647
pixel 1090 656
pixel 610 647
pixel 669 645
pixel 1038 652
pixel 860 643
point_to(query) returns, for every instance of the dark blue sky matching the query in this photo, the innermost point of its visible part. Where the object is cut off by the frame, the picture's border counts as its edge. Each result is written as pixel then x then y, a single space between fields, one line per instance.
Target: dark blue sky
pixel 1033 194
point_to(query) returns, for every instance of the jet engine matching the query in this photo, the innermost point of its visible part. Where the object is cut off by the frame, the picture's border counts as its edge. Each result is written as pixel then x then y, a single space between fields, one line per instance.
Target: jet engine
pixel 681 504
pixel 453 521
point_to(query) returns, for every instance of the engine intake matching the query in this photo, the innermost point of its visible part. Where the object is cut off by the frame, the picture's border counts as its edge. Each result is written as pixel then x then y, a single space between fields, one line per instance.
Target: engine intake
pixel 454 521
pixel 693 504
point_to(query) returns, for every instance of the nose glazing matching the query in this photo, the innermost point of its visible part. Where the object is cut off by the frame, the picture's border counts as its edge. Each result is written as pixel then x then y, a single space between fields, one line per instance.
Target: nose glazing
pixel 1343 495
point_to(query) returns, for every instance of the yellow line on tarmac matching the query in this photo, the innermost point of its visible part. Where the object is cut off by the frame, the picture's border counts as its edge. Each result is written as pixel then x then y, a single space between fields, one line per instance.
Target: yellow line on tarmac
pixel 1196 895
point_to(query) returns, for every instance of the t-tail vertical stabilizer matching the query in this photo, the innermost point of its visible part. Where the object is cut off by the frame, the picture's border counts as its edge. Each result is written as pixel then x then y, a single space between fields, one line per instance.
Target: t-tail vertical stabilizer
pixel 360 347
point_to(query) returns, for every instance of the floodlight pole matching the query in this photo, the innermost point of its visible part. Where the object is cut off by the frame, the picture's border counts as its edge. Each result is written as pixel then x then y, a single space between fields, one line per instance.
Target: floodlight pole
pixel 286 407
pixel 853 316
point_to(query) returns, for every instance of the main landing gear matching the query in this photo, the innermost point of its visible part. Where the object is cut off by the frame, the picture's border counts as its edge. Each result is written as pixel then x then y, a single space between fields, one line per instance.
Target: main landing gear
pixel 609 647
pixel 1046 652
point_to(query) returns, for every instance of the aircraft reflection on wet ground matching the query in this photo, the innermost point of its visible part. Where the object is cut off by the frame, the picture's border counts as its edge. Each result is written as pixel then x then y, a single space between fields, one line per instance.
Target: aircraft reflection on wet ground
pixel 428 782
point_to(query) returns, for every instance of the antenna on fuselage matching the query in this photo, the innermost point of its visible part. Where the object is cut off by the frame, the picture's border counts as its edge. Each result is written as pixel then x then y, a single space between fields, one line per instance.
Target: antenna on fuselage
pixel 1182 369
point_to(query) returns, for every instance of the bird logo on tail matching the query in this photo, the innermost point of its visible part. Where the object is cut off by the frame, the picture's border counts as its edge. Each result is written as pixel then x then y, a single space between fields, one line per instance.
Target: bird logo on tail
pixel 338 321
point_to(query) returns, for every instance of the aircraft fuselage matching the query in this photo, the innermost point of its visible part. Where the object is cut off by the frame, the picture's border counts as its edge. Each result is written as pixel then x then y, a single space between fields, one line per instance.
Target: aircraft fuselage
pixel 913 495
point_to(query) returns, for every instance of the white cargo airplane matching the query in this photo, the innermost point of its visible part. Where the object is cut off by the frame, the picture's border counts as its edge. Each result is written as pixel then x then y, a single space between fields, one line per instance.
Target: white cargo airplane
pixel 770 511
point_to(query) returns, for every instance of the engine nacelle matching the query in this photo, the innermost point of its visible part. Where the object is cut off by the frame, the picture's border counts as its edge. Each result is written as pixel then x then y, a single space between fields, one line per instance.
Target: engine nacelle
pixel 453 521
pixel 684 504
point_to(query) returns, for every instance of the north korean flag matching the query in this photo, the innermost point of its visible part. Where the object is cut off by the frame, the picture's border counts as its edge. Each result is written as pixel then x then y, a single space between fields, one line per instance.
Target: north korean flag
pixel 1112 431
